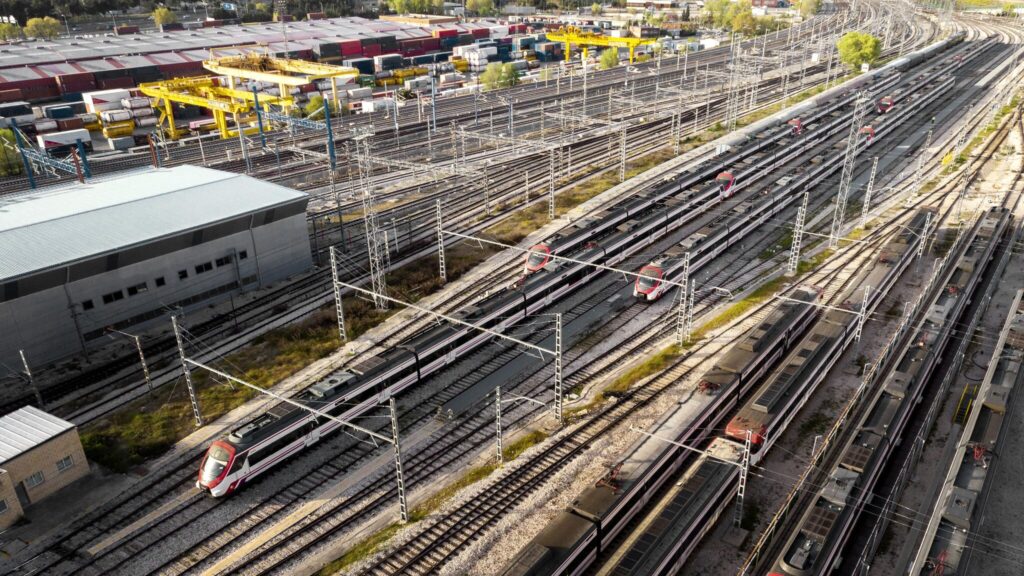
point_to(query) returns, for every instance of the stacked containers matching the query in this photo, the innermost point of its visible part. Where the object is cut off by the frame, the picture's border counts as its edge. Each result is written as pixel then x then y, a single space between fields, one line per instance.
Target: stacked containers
pixel 351 47
pixel 76 83
pixel 364 65
pixel 103 100
pixel 387 62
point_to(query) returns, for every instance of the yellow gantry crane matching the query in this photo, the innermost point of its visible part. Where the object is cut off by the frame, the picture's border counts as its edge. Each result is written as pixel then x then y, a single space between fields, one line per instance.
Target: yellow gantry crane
pixel 222 96
pixel 570 35
pixel 204 92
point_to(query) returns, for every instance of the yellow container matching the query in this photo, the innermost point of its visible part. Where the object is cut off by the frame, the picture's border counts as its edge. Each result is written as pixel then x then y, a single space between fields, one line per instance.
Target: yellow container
pixel 117 129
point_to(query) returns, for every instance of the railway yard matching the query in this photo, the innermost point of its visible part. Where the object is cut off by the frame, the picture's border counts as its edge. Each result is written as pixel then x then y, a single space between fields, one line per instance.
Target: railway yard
pixel 747 309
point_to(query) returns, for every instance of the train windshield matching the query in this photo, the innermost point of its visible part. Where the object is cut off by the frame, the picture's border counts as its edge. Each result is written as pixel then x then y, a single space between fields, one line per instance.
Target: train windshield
pixel 539 256
pixel 649 279
pixel 216 460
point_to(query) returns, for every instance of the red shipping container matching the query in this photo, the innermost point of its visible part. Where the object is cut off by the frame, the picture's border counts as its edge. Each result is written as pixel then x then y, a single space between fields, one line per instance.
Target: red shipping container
pixel 411 53
pixel 81 82
pixel 41 89
pixel 315 16
pixel 372 50
pixel 182 69
pixel 70 124
pixel 445 33
pixel 351 47
pixel 431 44
pixel 10 95
pixel 120 82
pixel 481 33
pixel 215 23
pixel 409 44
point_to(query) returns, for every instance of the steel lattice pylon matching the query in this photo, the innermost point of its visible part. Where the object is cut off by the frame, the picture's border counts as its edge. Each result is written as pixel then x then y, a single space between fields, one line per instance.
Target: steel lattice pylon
pixel 376 246
pixel 798 234
pixel 852 148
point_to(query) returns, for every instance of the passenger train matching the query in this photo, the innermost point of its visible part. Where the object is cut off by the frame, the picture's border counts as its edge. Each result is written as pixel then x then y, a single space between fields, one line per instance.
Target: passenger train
pixel 260 444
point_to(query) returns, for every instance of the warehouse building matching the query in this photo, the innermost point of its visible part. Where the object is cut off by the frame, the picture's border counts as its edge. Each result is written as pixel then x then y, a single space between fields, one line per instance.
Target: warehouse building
pixel 128 250
pixel 39 455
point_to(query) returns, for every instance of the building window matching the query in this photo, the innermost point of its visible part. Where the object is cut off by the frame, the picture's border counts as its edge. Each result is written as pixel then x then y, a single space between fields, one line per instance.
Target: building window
pixel 34 480
pixel 223 261
pixel 137 289
pixel 3 506
pixel 113 297
pixel 204 267
pixel 87 305
pixel 159 282
pixel 243 254
pixel 182 274
pixel 65 463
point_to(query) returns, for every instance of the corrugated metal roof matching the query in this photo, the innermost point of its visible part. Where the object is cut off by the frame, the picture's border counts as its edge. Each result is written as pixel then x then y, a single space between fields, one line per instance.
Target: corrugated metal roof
pixel 44 230
pixel 26 428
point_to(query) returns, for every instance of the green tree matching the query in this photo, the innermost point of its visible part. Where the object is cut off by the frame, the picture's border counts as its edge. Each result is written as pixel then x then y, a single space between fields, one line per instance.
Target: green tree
pixel 808 8
pixel 856 48
pixel 9 31
pixel 163 16
pixel 498 75
pixel 314 108
pixel 482 7
pixel 716 12
pixel 10 162
pixel 739 17
pixel 1009 9
pixel 596 9
pixel 45 27
pixel 609 58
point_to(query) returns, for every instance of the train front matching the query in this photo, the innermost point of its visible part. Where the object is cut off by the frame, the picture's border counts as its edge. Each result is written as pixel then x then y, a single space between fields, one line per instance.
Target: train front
pixel 537 259
pixel 648 283
pixel 215 469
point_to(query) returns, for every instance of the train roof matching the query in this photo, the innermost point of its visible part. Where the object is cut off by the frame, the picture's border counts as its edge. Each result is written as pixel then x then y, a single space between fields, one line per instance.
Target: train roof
pixel 804 356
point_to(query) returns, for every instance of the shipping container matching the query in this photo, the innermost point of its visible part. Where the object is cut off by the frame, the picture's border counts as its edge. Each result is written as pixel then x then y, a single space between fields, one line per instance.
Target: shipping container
pixel 44 125
pixel 145 122
pixel 121 143
pixel 351 47
pixel 123 30
pixel 19 111
pixel 7 96
pixel 113 83
pixel 116 129
pixel 55 141
pixel 70 124
pixel 81 82
pixel 58 112
pixel 136 102
pixel 114 116
pixel 141 112
pixel 364 65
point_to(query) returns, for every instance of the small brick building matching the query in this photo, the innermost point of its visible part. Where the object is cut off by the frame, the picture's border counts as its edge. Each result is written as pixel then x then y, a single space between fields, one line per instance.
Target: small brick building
pixel 39 454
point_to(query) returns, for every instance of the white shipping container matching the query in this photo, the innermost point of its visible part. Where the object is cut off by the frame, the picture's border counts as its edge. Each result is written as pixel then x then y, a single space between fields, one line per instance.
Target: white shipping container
pixel 136 102
pixel 37 111
pixel 88 117
pixel 45 125
pixel 109 116
pixel 102 100
pixel 142 112
pixel 706 43
pixel 122 143
pixel 143 122
pixel 66 138
pixel 360 93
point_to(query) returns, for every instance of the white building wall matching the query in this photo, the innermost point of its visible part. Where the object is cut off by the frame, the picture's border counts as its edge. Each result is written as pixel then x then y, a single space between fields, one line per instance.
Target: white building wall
pixel 44 324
